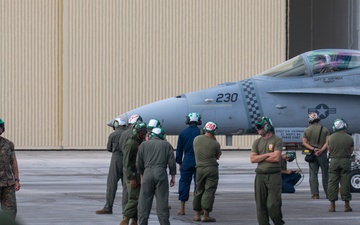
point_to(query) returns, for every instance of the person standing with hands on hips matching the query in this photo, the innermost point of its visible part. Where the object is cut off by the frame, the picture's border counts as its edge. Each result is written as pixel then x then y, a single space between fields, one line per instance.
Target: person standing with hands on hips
pixel 341 147
pixel 266 152
pixel 315 138
pixel 207 152
pixel 9 174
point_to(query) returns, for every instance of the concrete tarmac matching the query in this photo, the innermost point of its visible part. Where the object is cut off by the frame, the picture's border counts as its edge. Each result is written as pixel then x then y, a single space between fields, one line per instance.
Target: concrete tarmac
pixel 67 187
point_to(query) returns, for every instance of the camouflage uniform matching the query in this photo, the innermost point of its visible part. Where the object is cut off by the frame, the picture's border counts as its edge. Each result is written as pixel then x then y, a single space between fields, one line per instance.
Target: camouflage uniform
pixel 7 181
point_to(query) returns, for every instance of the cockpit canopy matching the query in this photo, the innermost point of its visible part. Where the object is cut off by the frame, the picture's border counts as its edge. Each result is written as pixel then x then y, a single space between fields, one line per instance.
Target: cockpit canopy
pixel 316 62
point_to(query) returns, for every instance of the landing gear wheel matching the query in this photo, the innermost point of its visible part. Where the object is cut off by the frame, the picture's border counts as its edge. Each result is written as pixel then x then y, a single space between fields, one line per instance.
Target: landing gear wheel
pixel 355 180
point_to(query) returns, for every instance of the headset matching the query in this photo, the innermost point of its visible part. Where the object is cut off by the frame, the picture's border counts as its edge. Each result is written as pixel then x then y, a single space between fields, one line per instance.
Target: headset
pixel 159 132
pixel 264 123
pixel 191 116
pixel 211 127
pixel 119 122
pixel 139 127
pixel 339 124
pixel 2 125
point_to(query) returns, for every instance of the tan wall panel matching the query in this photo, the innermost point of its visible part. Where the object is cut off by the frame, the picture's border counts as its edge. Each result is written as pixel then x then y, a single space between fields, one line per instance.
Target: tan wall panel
pixel 29 71
pixel 131 53
pixel 118 55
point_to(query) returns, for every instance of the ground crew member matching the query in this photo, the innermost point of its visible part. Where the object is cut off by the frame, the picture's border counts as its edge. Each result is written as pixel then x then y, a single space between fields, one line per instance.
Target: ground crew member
pixel 317 141
pixel 9 174
pixel 266 152
pixel 153 157
pixel 341 147
pixel 116 165
pixel 151 125
pixel 132 178
pixel 207 151
pixel 186 159
pixel 289 177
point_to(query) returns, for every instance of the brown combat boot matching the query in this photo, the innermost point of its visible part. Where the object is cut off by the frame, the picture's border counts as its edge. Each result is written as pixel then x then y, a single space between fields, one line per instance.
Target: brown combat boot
pixel 125 221
pixel 206 217
pixel 181 211
pixel 197 216
pixel 332 206
pixel 347 207
pixel 104 211
pixel 133 221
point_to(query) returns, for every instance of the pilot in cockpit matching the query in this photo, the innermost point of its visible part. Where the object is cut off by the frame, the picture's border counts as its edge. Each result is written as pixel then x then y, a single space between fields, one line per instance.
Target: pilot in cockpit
pixel 321 64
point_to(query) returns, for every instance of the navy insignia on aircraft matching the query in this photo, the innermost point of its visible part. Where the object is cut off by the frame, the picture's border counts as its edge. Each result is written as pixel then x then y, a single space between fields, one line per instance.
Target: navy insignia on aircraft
pixel 330 76
pixel 322 110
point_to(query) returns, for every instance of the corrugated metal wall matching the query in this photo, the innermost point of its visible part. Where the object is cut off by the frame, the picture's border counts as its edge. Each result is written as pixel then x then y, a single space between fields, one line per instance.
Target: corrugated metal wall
pixel 118 55
pixel 29 68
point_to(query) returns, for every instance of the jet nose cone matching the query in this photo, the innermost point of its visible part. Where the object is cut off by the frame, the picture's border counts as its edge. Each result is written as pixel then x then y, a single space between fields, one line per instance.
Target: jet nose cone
pixel 168 112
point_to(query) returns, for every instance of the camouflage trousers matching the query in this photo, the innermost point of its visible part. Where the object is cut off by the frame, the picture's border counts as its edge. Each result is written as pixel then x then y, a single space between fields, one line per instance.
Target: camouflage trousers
pixel 8 200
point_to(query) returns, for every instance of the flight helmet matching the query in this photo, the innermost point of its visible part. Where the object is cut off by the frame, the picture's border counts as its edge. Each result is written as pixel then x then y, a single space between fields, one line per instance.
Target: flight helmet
pixel 158 132
pixel 134 118
pixel 2 125
pixel 193 117
pixel 313 117
pixel 153 123
pixel 264 123
pixel 210 127
pixel 339 124
pixel 139 128
pixel 119 122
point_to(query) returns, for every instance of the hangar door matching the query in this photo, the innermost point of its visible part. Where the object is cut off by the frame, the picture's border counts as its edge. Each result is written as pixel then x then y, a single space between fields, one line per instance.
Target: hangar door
pixel 317 24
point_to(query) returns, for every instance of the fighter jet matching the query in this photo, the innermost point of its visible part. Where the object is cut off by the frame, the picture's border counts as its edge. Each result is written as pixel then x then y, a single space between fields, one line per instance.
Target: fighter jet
pixel 325 81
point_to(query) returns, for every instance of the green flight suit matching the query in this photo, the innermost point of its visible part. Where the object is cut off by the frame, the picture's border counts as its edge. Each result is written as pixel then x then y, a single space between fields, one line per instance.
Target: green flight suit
pixel 129 162
pixel 341 145
pixel 268 182
pixel 312 135
pixel 115 169
pixel 153 157
pixel 206 150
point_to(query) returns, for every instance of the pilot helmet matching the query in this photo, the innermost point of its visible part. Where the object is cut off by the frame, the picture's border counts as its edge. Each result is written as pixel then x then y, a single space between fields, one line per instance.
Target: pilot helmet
pixel 264 123
pixel 322 58
pixel 134 118
pixel 139 127
pixel 153 123
pixel 2 125
pixel 210 127
pixel 339 124
pixel 119 122
pixel 193 117
pixel 158 132
pixel 313 117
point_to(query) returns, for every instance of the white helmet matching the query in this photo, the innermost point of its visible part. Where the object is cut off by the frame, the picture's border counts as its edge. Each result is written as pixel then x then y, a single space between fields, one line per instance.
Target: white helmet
pixel 159 132
pixel 313 117
pixel 210 127
pixel 339 124
pixel 153 123
pixel 193 117
pixel 119 122
pixel 135 118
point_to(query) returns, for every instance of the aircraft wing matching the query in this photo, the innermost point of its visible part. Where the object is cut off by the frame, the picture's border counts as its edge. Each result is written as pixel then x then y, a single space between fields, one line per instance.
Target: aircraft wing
pixel 320 90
